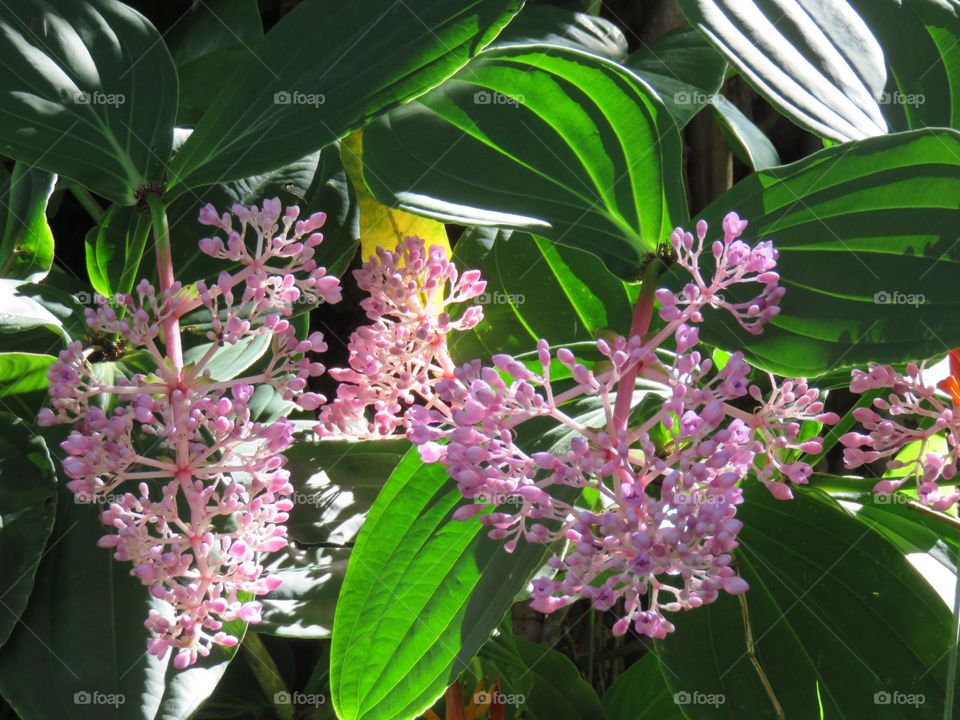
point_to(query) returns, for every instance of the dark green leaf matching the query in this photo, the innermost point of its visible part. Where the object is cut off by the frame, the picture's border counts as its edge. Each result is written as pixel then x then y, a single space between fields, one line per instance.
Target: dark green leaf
pixel 550 25
pixel 817 62
pixel 291 96
pixel 747 140
pixel 536 289
pixel 87 91
pixel 919 40
pixel 684 69
pixel 207 46
pixel 82 636
pixel 555 690
pixel 28 494
pixel 836 615
pixel 557 142
pixel 867 234
pixel 641 693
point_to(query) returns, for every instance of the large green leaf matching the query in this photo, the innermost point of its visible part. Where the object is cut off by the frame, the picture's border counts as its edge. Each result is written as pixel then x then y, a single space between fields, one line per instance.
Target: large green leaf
pixel 206 46
pixel 551 25
pixel 87 91
pixel 83 640
pixel 919 39
pixel 551 140
pixel 867 234
pixel 815 60
pixel 422 594
pixel 28 494
pixel 641 693
pixel 837 617
pixel 536 289
pixel 684 69
pixel 26 242
pixel 290 96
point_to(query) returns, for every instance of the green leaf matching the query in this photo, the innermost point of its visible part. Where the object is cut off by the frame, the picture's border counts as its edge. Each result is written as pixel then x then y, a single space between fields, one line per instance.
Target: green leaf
pixel 558 142
pixel 316 182
pixel 641 693
pixel 556 690
pixel 82 636
pixel 422 594
pixel 304 605
pixel 28 494
pixel 335 483
pixel 290 97
pixel 816 62
pixel 23 372
pixel 230 361
pixel 684 69
pixel 867 238
pixel 836 614
pixel 87 91
pixel 115 248
pixel 206 47
pixel 536 289
pixel 919 45
pixel 550 25
pixel 20 312
pixel 747 140
pixel 26 242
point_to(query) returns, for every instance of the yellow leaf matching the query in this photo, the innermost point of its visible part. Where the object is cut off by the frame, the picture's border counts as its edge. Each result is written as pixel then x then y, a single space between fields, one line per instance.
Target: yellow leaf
pixel 381 226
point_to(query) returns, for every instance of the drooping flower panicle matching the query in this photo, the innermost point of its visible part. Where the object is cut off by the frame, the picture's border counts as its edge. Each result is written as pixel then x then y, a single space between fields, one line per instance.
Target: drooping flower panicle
pixel 667 528
pixel 400 357
pixel 210 492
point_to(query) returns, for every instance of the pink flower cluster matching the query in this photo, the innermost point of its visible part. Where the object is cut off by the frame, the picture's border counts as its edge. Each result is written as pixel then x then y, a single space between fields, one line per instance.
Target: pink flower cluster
pixel 912 412
pixel 399 358
pixel 211 492
pixel 664 527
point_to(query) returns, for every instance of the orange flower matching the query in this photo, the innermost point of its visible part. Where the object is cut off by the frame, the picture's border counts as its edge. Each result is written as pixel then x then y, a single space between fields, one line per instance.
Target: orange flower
pixel 951 384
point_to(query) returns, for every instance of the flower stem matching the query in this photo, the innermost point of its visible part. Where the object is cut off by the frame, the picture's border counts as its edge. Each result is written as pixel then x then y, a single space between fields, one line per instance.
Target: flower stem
pixel 171 324
pixel 639 325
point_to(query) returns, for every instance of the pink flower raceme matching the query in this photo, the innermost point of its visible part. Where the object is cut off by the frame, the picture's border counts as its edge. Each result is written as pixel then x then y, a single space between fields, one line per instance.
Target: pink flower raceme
pixel 665 526
pixel 211 488
pixel 912 411
pixel 401 355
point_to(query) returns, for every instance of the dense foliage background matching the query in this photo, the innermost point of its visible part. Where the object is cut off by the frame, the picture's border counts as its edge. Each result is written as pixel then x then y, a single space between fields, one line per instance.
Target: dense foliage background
pixel 553 146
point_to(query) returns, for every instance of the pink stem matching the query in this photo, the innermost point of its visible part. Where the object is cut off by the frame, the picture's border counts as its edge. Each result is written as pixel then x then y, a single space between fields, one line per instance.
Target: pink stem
pixel 639 325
